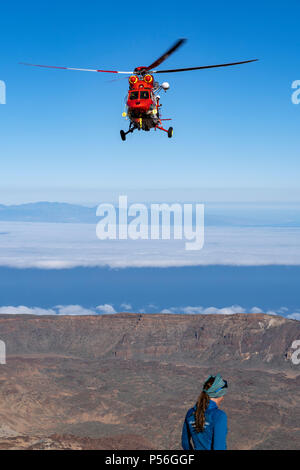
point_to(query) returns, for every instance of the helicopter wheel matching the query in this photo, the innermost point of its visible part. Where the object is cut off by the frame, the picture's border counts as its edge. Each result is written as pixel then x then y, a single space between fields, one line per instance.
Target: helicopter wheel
pixel 123 135
pixel 170 132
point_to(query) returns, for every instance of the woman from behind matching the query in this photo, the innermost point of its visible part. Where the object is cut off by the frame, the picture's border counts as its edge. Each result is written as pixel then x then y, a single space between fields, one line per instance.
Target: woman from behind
pixel 205 425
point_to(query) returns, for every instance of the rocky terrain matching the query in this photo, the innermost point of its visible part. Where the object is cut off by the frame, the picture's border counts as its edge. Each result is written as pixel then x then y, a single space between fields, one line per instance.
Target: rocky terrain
pixel 126 381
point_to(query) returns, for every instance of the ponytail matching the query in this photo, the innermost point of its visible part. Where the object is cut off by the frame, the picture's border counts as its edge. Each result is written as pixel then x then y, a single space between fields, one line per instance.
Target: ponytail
pixel 202 404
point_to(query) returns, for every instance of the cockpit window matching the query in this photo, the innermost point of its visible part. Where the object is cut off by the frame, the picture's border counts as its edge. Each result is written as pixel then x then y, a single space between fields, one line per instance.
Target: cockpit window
pixel 134 95
pixel 144 95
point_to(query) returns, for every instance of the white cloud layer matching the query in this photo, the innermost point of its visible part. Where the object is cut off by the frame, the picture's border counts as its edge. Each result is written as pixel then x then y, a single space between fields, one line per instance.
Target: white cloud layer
pixel 105 309
pixel 57 246
pixel 126 306
pixel 212 310
pixel 72 310
pixel 21 309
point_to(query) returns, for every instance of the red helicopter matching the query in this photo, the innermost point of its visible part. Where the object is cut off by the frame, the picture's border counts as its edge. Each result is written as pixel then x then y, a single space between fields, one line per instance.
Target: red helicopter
pixel 143 100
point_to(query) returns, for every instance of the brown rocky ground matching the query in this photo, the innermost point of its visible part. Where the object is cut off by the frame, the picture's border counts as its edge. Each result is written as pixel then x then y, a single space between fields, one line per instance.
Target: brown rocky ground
pixel 126 381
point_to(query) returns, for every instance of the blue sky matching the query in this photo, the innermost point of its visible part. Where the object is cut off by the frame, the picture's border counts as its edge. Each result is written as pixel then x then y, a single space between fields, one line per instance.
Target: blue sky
pixel 234 128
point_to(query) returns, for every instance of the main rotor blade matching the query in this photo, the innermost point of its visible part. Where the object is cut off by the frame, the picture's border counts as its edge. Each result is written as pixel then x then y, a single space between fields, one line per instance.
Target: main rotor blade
pixel 166 54
pixel 203 67
pixel 72 68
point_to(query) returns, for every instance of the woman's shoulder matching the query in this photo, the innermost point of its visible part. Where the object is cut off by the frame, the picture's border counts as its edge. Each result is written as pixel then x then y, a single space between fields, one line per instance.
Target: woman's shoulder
pixel 190 412
pixel 220 415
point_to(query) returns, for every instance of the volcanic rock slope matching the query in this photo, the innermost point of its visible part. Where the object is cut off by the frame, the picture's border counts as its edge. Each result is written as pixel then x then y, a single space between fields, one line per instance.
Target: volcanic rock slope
pixel 125 381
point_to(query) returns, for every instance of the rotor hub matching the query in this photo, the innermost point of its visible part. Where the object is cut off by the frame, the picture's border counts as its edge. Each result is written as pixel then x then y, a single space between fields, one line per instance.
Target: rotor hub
pixel 141 70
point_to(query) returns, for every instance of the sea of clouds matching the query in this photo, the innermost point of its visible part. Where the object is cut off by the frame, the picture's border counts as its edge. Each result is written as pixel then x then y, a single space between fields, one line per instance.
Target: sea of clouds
pixel 60 245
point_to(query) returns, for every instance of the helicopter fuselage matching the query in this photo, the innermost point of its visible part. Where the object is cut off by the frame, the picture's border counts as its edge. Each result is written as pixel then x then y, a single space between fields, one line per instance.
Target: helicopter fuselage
pixel 142 103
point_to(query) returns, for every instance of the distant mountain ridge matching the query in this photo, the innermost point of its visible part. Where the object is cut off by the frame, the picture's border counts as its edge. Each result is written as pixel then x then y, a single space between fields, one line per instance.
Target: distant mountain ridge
pixel 251 338
pixel 48 212
pixel 62 212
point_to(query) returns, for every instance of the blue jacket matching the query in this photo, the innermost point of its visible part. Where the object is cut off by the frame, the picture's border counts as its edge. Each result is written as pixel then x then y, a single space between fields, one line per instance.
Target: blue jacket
pixel 214 434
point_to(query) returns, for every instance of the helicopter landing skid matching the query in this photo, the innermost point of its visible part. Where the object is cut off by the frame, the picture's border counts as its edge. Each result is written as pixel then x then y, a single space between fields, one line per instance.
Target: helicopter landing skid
pixel 169 131
pixel 123 134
